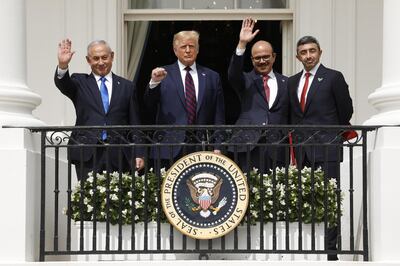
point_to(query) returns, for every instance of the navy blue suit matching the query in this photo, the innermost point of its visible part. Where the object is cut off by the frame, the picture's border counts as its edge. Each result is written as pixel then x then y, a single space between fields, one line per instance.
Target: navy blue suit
pixel 328 102
pixel 84 93
pixel 167 100
pixel 255 109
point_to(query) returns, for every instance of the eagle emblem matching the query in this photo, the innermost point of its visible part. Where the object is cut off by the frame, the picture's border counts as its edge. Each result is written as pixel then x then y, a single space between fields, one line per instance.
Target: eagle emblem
pixel 204 190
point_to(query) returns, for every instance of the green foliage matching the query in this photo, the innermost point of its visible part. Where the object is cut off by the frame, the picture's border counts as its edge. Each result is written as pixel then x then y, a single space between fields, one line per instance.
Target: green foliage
pixel 290 196
pixel 110 195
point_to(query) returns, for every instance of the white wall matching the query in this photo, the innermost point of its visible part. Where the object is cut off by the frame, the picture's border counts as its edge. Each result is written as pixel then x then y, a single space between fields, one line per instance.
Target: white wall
pixel 49 21
pixel 350 35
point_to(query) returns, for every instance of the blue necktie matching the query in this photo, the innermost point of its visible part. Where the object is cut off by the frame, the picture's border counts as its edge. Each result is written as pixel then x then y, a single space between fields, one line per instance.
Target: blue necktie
pixel 106 104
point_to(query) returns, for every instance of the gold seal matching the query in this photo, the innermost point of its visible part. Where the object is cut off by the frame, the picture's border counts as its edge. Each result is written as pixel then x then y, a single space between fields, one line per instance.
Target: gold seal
pixel 204 195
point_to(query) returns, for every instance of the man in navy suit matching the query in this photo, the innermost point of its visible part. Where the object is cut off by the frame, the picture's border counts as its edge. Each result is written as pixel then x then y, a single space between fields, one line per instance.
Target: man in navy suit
pixel 264 101
pixel 319 96
pixel 116 106
pixel 184 93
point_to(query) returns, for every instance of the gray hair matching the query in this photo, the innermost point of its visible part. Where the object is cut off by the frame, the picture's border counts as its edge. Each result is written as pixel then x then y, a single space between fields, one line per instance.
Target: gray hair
pixel 98 42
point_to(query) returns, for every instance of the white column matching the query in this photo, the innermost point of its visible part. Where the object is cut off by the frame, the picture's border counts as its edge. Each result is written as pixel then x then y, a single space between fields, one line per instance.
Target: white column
pixel 387 98
pixel 16 100
pixel 383 163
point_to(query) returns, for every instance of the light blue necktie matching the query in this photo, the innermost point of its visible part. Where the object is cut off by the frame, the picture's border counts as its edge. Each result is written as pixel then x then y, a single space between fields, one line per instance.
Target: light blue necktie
pixel 106 104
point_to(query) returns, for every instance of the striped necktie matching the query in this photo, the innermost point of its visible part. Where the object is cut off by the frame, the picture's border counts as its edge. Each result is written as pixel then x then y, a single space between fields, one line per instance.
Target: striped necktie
pixel 190 95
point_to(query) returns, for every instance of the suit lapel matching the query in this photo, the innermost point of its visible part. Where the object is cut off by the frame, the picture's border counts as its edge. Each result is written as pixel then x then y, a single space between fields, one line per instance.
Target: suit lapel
pixel 260 89
pixel 293 92
pixel 201 75
pixel 177 79
pixel 94 89
pixel 116 91
pixel 318 79
pixel 281 85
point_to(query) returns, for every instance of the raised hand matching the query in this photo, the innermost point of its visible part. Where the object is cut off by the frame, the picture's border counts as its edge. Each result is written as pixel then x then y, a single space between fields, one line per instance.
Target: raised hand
pixel 64 53
pixel 246 33
pixel 158 74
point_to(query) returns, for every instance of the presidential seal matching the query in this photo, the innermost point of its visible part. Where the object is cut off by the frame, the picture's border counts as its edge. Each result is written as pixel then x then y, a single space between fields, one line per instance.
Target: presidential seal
pixel 204 195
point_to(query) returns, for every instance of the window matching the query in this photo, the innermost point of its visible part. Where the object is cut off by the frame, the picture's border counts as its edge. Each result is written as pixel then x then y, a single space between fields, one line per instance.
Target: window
pixel 149 26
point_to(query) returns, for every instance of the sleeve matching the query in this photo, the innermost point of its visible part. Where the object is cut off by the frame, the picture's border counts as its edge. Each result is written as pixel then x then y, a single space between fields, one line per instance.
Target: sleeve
pixel 66 84
pixel 344 103
pixel 235 73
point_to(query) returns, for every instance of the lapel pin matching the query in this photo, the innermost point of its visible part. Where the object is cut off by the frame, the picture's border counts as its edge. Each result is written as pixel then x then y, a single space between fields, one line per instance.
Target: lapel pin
pixel 118 82
pixel 204 74
pixel 283 80
pixel 320 79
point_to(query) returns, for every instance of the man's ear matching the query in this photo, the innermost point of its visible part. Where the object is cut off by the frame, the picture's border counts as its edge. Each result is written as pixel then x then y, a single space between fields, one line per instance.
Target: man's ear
pixel 88 59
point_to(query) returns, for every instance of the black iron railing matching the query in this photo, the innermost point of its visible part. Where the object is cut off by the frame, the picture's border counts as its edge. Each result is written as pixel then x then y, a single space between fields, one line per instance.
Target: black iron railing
pixel 288 204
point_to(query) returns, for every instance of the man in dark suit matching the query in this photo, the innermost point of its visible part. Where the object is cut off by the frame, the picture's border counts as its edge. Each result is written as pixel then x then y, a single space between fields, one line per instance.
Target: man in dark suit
pixel 318 96
pixel 184 93
pixel 264 100
pixel 100 98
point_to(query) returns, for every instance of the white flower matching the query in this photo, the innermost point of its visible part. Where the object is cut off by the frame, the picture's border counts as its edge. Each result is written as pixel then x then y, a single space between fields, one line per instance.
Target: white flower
pixel 114 197
pixel 89 208
pixel 163 172
pixel 254 189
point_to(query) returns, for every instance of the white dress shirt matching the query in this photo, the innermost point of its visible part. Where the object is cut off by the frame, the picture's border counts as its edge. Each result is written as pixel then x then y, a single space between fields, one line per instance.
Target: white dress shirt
pixel 61 73
pixel 313 71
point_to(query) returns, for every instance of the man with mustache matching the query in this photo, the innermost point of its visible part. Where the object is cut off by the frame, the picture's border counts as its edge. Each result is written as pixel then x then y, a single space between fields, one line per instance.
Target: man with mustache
pixel 318 96
pixel 263 101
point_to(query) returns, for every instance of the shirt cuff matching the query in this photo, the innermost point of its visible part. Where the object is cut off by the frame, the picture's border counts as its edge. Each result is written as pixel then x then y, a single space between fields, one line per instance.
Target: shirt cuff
pixel 61 72
pixel 153 84
pixel 240 51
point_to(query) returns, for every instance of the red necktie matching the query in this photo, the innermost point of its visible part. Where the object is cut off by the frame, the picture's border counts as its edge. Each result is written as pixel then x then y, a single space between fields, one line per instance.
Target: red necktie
pixel 304 92
pixel 190 95
pixel 266 88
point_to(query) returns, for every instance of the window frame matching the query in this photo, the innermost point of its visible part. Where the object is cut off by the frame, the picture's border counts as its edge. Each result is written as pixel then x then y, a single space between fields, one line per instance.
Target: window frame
pixel 285 15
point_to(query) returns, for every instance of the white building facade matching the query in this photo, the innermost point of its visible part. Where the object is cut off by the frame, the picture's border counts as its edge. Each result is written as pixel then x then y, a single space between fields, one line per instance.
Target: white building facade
pixel 356 36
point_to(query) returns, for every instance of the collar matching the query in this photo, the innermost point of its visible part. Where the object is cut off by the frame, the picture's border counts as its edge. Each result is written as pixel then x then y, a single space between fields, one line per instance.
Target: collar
pixel 271 75
pixel 182 66
pixel 108 76
pixel 313 71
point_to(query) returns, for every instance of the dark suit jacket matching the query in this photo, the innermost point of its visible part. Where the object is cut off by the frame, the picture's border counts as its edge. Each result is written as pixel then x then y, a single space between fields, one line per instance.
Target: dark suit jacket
pixel 254 108
pixel 167 100
pixel 84 93
pixel 328 103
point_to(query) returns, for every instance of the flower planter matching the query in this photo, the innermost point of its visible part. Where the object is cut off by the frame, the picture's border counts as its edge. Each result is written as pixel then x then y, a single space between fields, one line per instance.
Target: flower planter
pixel 191 243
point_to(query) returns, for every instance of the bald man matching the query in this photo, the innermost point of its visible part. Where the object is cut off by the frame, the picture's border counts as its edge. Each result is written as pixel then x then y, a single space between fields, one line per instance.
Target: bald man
pixel 264 101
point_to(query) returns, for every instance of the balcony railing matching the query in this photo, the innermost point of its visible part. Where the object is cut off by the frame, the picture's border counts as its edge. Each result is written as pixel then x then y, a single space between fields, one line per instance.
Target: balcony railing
pixel 331 193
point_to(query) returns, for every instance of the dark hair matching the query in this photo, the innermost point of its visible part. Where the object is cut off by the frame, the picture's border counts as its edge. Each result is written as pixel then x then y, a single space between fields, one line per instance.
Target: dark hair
pixel 306 40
